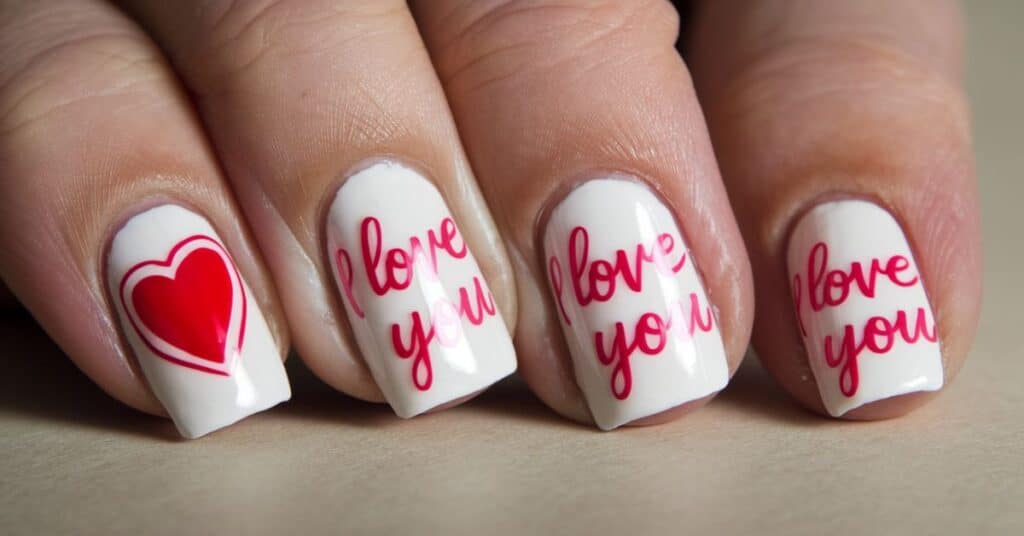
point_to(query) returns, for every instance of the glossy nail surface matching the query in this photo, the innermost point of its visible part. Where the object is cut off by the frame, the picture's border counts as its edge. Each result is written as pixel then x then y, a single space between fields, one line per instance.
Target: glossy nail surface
pixel 861 306
pixel 422 313
pixel 201 341
pixel 642 334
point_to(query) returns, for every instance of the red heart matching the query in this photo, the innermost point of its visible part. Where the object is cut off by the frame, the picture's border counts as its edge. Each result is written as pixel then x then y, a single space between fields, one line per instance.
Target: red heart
pixel 188 307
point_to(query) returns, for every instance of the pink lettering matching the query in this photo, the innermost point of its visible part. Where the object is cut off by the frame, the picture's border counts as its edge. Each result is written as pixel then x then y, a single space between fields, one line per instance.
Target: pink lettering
pixel 832 287
pixel 395 268
pixel 879 335
pixel 445 325
pixel 596 280
pixel 649 336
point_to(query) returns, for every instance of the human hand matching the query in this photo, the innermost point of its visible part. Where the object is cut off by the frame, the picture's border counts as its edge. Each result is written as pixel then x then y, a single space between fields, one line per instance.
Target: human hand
pixel 191 188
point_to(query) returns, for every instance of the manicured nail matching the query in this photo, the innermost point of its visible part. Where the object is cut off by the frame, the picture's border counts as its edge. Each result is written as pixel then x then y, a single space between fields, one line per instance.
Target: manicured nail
pixel 200 338
pixel 642 334
pixel 861 306
pixel 422 313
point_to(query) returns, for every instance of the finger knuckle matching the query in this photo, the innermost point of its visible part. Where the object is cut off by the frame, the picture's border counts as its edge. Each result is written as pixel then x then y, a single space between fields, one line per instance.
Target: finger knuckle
pixel 492 41
pixel 862 78
pixel 80 62
pixel 239 40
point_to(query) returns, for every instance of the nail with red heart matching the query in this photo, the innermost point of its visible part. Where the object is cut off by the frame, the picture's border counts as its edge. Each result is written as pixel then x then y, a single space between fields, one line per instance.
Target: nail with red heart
pixel 861 306
pixel 641 331
pixel 421 311
pixel 201 341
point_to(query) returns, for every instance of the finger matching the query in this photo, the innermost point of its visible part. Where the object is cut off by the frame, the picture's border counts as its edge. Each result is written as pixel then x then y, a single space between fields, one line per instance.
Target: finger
pixel 114 214
pixel 589 144
pixel 331 123
pixel 843 136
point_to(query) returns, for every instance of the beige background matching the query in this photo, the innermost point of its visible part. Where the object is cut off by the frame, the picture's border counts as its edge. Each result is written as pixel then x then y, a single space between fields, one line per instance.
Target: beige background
pixel 74 461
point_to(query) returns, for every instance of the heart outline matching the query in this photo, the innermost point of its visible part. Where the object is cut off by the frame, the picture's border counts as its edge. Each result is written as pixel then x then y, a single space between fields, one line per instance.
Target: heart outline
pixel 168 268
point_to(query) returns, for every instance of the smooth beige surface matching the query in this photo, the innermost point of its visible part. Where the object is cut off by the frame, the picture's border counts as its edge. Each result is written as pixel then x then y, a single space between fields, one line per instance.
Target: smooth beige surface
pixel 74 461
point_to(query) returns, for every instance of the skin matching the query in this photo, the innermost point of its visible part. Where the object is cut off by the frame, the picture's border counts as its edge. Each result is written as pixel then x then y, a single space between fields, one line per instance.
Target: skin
pixel 252 113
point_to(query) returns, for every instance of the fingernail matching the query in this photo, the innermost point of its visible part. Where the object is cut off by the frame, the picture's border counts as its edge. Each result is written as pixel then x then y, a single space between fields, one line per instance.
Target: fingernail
pixel 642 334
pixel 200 338
pixel 861 306
pixel 422 313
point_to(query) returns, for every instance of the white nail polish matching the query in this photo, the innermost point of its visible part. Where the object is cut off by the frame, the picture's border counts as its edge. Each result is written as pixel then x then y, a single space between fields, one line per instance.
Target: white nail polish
pixel 200 338
pixel 422 313
pixel 861 306
pixel 642 334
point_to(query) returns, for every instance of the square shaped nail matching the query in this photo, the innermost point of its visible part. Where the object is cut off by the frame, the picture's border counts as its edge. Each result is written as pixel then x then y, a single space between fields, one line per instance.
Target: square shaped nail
pixel 861 306
pixel 200 339
pixel 421 311
pixel 642 333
